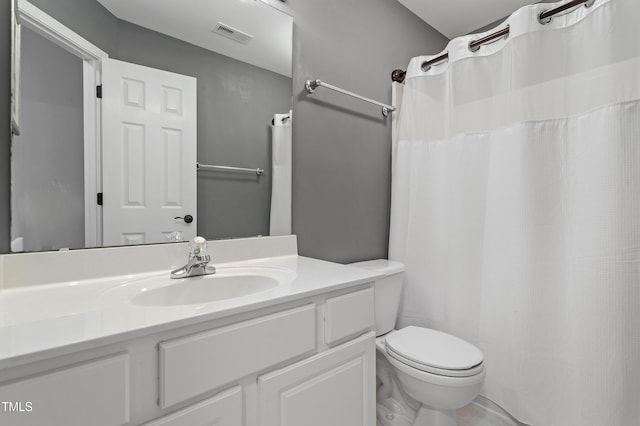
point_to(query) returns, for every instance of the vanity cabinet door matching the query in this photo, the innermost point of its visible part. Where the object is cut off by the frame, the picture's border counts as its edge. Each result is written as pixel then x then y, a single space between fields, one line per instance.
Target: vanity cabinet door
pixel 336 388
pixel 93 393
pixel 224 409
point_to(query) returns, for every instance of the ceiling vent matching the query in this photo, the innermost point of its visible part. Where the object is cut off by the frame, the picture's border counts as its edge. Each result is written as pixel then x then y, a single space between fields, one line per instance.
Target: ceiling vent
pixel 232 33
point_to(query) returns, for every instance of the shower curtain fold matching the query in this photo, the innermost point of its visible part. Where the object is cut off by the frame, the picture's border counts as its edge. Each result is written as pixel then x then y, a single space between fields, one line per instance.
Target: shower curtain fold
pixel 516 209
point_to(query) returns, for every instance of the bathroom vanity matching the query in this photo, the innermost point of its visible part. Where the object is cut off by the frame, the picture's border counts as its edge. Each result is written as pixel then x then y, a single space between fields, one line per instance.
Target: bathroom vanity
pixel 103 337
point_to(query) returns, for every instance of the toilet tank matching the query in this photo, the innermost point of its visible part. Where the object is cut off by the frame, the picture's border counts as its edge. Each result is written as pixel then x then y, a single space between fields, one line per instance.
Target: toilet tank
pixel 387 290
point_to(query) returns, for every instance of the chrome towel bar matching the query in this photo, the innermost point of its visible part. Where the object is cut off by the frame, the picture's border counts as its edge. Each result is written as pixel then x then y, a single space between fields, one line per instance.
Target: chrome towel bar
pixel 257 171
pixel 312 85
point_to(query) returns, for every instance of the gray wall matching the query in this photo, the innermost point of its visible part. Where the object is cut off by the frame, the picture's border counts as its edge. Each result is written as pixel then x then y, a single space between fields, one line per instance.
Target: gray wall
pixel 5 125
pixel 47 198
pixel 341 146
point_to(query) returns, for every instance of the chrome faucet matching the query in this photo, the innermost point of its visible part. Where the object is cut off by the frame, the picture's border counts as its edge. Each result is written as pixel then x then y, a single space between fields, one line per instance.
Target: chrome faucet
pixel 198 263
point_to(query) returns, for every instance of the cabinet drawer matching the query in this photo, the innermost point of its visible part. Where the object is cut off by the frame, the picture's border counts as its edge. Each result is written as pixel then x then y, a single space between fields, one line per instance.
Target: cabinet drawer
pixel 95 393
pixel 202 362
pixel 348 315
pixel 224 409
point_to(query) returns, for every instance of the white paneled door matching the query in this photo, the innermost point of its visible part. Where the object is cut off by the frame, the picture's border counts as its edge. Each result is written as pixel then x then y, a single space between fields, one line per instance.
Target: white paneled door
pixel 148 154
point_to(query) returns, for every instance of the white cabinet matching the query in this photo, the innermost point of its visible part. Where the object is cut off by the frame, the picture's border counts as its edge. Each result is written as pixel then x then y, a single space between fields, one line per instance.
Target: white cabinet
pixel 224 409
pixel 91 393
pixel 348 315
pixel 306 362
pixel 195 364
pixel 335 387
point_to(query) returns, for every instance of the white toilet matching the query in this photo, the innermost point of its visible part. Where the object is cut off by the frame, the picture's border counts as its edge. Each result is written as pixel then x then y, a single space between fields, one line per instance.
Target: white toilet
pixel 423 375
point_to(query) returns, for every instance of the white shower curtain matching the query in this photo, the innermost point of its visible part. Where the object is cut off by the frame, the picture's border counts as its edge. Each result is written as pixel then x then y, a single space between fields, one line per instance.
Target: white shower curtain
pixel 281 163
pixel 516 209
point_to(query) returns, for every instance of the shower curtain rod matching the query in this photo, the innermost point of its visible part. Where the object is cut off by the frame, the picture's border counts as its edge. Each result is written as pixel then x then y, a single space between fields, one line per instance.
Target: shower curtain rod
pixel 544 18
pixel 312 85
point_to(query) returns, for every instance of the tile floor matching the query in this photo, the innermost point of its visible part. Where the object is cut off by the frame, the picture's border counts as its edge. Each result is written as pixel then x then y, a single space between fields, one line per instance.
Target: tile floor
pixel 475 415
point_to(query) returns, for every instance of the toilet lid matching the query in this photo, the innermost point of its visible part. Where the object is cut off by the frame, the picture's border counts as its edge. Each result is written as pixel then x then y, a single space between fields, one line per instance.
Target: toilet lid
pixel 434 351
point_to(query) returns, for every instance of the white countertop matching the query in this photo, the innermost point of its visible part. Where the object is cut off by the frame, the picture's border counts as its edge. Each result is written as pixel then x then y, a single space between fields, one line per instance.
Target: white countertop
pixel 42 321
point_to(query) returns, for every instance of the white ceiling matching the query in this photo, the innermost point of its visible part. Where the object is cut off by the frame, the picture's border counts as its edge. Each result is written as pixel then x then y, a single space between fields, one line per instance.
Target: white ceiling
pixel 454 18
pixel 193 20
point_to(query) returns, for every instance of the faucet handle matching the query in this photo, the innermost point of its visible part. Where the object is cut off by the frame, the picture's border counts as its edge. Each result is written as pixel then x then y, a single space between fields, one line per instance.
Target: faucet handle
pixel 198 247
pixel 199 243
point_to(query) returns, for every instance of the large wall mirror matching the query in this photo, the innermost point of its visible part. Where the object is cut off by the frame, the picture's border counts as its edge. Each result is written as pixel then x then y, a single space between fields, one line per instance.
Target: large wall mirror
pixel 117 102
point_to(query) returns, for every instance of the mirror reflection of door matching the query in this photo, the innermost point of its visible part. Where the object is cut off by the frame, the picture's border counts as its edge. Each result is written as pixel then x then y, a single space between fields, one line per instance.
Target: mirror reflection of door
pixel 149 154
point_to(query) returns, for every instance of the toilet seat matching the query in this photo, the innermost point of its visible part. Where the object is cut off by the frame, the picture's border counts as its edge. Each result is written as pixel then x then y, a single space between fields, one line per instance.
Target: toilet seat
pixel 434 352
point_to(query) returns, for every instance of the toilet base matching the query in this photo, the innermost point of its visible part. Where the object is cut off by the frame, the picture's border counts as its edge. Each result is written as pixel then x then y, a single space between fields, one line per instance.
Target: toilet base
pixel 391 413
pixel 429 417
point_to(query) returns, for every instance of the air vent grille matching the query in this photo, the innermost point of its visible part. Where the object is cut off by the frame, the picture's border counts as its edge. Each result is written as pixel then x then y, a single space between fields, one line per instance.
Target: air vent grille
pixel 232 33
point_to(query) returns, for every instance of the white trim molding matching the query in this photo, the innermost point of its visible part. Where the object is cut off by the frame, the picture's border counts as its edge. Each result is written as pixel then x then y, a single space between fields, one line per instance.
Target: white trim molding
pixel 43 24
pixel 15 70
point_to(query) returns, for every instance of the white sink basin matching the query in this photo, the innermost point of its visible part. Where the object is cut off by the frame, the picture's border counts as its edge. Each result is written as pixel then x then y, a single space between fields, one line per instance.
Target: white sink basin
pixel 205 289
pixel 225 284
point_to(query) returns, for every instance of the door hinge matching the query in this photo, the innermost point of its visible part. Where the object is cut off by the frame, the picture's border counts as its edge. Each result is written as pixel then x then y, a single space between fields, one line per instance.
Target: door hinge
pixel 99 91
pixel 99 198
